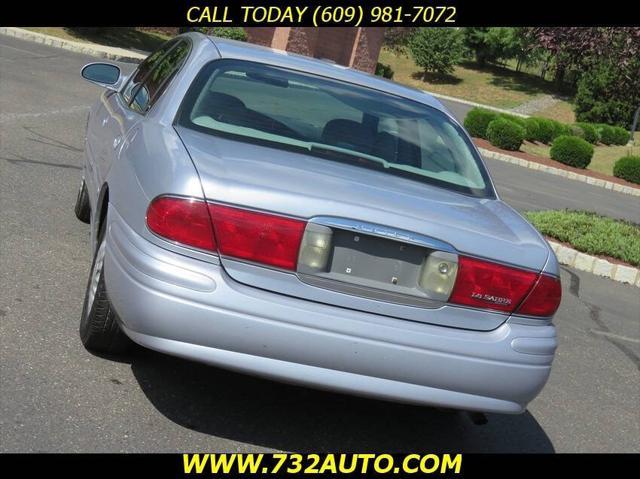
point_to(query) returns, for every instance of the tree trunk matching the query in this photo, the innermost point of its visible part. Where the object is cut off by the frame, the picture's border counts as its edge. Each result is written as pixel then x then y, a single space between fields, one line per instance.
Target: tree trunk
pixel 481 59
pixel 559 77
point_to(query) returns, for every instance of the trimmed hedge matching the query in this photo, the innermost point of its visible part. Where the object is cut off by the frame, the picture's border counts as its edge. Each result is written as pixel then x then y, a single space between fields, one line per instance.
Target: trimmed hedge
pixel 628 168
pixel 607 134
pixel 543 130
pixel 590 132
pixel 505 134
pixel 532 129
pixel 477 121
pixel 576 131
pixel 620 135
pixel 572 151
pixel 560 129
pixel 546 130
pixel 384 70
pixel 516 119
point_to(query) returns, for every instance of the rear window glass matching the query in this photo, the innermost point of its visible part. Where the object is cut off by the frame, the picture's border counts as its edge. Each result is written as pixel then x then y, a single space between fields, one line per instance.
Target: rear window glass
pixel 335 121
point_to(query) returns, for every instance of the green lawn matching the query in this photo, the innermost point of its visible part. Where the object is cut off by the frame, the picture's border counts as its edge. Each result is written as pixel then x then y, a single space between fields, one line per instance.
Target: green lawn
pixel 591 233
pixel 603 159
pixel 491 85
pixel 122 37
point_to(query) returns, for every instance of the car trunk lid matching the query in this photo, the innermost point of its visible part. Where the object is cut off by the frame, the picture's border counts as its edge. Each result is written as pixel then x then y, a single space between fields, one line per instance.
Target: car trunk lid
pixel 382 225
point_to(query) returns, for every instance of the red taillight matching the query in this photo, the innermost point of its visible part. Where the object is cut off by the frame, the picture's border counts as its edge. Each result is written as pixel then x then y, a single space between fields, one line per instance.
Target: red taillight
pixel 483 284
pixel 260 237
pixel 183 220
pixel 275 240
pixel 545 298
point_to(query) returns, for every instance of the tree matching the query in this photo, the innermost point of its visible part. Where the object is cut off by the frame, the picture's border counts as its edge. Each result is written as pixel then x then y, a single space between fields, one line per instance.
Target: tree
pixel 607 62
pixel 505 43
pixel 583 48
pixel 492 44
pixel 437 49
pixel 502 43
pixel 475 39
pixel 608 93
pixel 397 39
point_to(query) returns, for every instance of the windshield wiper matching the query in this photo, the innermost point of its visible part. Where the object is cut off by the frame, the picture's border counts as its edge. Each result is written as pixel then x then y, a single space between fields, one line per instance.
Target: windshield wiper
pixel 349 156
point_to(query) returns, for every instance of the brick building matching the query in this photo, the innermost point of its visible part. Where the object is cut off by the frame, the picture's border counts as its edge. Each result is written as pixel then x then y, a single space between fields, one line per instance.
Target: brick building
pixel 351 46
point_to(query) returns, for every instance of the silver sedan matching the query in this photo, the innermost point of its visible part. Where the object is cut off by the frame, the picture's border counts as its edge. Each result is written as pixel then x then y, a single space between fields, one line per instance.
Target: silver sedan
pixel 288 217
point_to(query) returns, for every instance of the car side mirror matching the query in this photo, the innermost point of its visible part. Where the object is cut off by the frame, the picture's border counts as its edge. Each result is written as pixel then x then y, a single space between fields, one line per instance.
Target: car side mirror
pixel 105 75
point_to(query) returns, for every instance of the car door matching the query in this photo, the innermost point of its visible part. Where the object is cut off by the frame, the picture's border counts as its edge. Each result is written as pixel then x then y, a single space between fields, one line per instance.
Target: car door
pixel 120 112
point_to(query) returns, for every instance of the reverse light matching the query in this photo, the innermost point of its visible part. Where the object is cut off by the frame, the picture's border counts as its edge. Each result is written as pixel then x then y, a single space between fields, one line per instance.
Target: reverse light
pixel 438 275
pixel 315 248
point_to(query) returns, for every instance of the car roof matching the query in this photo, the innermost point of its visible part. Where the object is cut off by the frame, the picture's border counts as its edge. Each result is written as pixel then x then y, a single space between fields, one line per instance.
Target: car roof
pixel 270 56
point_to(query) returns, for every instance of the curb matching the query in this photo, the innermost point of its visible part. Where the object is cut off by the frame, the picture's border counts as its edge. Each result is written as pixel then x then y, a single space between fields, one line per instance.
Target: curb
pixel 571 175
pixel 472 103
pixel 109 53
pixel 598 266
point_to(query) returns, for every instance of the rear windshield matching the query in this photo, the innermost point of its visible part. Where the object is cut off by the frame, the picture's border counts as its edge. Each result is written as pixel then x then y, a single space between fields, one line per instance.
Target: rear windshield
pixel 333 120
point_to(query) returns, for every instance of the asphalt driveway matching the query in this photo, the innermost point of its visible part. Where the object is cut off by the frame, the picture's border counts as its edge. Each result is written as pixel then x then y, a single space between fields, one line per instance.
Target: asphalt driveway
pixel 55 396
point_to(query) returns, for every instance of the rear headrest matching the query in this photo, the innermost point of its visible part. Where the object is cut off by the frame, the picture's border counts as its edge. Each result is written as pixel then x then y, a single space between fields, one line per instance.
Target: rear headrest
pixel 215 104
pixel 348 134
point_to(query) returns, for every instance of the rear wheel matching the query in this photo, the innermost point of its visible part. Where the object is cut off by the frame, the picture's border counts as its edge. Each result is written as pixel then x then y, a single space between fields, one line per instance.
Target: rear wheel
pixel 99 329
pixel 83 208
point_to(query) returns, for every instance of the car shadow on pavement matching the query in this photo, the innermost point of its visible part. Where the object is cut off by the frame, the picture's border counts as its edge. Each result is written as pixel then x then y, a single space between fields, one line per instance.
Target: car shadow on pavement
pixel 272 415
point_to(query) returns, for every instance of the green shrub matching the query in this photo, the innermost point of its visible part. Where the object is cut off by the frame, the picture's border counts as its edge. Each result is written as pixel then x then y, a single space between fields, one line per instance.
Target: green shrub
pixel 532 129
pixel 232 33
pixel 505 134
pixel 88 30
pixel 384 70
pixel 620 136
pixel 607 134
pixel 576 131
pixel 590 133
pixel 516 119
pixel 628 168
pixel 437 50
pixel 477 121
pixel 546 130
pixel 590 233
pixel 560 129
pixel 572 151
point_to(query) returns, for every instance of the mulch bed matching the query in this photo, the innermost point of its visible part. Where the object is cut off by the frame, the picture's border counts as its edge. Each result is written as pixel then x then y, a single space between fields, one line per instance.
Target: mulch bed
pixel 549 162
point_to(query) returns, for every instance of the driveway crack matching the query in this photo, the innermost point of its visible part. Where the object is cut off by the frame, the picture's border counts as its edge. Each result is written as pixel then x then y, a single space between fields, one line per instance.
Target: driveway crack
pixel 603 331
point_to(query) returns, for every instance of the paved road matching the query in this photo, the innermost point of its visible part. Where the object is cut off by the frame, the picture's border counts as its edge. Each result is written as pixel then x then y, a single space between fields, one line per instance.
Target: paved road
pixel 55 396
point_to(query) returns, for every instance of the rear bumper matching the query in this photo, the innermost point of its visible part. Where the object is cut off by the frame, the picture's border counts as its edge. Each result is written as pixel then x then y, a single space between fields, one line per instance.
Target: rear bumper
pixel 193 309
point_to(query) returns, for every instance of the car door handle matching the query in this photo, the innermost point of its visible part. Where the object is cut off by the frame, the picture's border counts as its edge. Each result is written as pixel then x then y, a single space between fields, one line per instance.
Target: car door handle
pixel 105 121
pixel 116 142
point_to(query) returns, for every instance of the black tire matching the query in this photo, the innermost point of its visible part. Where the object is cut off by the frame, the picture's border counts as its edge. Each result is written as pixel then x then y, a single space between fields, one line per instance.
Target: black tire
pixel 99 329
pixel 83 208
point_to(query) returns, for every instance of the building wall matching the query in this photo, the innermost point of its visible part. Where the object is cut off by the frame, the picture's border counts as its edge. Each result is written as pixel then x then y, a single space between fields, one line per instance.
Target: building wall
pixel 369 44
pixel 337 44
pixel 354 47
